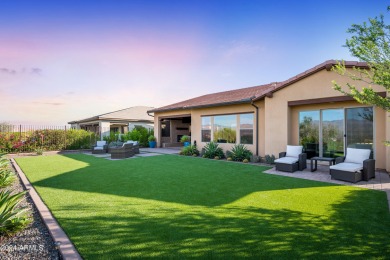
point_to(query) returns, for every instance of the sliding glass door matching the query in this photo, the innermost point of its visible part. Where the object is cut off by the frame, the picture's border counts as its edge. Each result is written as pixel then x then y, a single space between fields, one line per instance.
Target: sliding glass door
pixel 328 132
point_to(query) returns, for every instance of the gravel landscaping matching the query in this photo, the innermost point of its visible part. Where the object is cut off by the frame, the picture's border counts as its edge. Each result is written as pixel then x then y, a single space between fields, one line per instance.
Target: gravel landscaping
pixel 34 242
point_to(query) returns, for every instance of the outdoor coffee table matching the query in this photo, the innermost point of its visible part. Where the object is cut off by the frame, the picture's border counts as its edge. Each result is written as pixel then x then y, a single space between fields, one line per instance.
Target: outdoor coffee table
pixel 324 159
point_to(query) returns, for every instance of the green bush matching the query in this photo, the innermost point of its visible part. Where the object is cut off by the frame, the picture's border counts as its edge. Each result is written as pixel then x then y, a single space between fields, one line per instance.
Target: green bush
pixel 152 138
pixel 48 140
pixel 112 137
pixel 211 150
pixel 140 134
pixel 185 138
pixel 190 150
pixel 239 153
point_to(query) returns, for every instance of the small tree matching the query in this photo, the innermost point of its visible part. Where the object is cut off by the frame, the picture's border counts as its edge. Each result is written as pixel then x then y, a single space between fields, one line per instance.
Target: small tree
pixel 370 43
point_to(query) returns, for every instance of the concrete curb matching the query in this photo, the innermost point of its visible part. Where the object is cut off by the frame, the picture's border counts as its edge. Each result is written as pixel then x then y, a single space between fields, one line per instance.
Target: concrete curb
pixel 66 248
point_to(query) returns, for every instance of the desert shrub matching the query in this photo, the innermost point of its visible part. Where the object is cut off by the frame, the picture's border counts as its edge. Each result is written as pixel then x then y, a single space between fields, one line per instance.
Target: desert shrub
pixel 211 150
pixel 13 218
pixel 270 159
pixel 239 153
pixel 190 150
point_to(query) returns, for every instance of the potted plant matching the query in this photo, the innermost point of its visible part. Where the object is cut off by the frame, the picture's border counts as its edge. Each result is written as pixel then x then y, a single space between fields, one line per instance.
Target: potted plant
pixel 185 139
pixel 152 141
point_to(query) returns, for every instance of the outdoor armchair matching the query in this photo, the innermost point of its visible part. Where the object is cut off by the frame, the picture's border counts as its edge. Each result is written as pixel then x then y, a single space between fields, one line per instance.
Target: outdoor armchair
pixel 100 147
pixel 135 146
pixel 292 160
pixel 354 167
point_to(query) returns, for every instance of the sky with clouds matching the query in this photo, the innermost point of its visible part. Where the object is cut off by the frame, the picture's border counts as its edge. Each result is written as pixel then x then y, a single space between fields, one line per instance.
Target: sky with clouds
pixel 67 60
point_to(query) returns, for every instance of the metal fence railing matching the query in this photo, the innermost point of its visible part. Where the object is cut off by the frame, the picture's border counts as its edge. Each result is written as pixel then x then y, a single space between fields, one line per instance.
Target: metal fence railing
pixel 30 138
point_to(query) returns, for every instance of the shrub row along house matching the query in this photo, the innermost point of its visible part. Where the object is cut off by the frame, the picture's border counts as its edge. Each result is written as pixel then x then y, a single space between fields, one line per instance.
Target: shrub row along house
pixel 304 109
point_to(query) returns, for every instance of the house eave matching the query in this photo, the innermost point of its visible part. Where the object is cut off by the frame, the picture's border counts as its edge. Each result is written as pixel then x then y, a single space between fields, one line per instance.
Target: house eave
pixel 242 101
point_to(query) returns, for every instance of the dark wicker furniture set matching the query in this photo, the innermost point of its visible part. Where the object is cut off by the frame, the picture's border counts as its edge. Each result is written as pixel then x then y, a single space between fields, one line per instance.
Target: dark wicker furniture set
pixel 354 167
pixel 118 150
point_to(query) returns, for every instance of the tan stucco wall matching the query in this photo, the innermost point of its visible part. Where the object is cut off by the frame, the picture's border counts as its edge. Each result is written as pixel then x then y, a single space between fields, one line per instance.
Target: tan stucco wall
pixel 278 123
pixel 196 121
pixel 281 120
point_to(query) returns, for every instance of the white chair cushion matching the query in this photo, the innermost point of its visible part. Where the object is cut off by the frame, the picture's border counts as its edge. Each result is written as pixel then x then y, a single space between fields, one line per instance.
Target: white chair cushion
pixel 357 155
pixel 132 142
pixel 98 148
pixel 287 160
pixel 348 167
pixel 100 143
pixel 293 150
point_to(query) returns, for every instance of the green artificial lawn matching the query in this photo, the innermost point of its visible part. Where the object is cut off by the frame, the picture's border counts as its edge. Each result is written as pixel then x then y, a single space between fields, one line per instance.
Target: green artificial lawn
pixel 182 207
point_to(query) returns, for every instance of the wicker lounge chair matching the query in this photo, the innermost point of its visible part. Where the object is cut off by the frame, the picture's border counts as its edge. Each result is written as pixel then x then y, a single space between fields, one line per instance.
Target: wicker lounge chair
pixel 100 147
pixel 135 146
pixel 123 152
pixel 292 160
pixel 354 167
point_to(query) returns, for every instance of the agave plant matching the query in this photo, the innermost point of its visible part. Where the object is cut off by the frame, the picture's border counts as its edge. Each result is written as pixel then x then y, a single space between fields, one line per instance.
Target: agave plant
pixel 12 217
pixel 211 150
pixel 240 153
pixel 190 150
pixel 7 177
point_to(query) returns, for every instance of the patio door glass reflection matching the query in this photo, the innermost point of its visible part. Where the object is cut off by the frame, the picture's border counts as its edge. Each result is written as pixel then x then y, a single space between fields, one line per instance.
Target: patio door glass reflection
pixel 332 132
pixel 360 127
pixel 309 136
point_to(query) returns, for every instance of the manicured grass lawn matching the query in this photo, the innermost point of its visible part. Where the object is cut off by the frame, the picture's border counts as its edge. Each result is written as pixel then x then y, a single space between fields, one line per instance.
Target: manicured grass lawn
pixel 182 207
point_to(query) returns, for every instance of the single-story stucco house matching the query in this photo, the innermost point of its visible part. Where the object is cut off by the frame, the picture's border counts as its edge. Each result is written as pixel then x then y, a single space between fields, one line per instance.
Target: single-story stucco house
pixel 120 121
pixel 304 109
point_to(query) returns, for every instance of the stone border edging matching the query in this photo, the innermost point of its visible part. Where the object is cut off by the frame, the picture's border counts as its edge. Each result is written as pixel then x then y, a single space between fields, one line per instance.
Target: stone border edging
pixel 66 249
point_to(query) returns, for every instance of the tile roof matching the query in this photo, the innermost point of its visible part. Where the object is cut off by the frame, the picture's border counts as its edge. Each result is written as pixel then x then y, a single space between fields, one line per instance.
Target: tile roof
pixel 248 95
pixel 237 96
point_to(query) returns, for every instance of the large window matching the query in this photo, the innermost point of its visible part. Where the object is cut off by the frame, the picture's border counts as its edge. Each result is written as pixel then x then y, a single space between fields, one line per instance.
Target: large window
pixel 228 128
pixel 206 129
pixel 225 129
pixel 246 128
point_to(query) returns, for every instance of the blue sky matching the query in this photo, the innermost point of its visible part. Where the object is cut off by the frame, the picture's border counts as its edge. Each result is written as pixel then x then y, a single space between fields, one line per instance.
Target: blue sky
pixel 67 60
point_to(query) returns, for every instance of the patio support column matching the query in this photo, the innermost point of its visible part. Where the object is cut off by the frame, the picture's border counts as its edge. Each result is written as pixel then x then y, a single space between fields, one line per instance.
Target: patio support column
pixel 104 129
